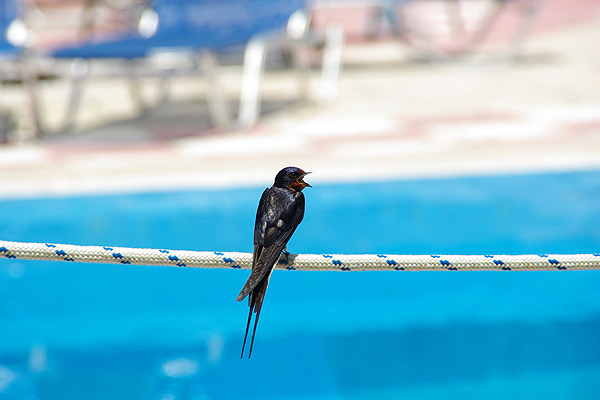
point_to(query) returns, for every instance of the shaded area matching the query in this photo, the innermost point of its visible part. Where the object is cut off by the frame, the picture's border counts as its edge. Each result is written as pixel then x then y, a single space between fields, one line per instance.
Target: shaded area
pixel 159 125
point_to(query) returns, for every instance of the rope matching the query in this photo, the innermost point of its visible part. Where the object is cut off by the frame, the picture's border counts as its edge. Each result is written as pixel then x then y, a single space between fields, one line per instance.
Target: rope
pixel 300 262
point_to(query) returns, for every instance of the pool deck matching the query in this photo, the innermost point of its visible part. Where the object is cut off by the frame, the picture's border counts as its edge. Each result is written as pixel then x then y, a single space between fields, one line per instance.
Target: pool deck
pixel 394 118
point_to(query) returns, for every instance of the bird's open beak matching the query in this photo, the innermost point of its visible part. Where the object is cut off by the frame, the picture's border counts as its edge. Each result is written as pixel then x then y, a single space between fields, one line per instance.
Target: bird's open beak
pixel 301 180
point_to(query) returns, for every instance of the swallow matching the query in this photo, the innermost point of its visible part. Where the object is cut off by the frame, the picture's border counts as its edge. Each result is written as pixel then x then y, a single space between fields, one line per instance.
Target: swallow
pixel 280 211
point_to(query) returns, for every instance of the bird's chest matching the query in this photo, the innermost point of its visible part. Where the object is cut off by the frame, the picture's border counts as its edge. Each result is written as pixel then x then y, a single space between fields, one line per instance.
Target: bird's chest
pixel 283 205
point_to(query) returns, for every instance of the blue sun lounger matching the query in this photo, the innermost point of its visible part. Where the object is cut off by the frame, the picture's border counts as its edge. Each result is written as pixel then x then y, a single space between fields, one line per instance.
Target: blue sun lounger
pixel 191 25
pixel 188 33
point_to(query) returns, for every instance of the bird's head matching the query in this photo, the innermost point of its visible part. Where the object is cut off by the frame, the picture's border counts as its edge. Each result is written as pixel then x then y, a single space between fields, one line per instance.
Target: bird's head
pixel 291 178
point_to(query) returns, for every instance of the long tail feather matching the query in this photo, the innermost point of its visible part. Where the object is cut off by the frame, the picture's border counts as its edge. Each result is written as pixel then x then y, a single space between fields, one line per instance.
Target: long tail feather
pixel 253 332
pixel 255 302
pixel 247 328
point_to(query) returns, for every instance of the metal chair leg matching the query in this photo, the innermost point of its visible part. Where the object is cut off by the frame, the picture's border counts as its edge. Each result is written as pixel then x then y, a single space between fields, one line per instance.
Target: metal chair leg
pixel 217 104
pixel 135 89
pixel 80 70
pixel 254 63
pixel 29 78
pixel 332 61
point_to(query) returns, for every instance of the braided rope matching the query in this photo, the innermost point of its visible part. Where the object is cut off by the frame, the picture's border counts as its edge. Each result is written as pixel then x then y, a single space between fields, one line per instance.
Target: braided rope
pixel 301 262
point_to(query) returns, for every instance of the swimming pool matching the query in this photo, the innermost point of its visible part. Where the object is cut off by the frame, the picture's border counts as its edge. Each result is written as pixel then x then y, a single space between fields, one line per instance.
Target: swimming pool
pixel 73 331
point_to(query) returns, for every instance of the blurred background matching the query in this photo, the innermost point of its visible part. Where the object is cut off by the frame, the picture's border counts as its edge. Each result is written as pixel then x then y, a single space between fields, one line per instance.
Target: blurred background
pixel 430 126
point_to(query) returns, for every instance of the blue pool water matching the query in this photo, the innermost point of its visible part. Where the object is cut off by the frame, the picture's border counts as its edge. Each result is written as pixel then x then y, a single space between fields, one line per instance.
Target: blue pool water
pixel 90 331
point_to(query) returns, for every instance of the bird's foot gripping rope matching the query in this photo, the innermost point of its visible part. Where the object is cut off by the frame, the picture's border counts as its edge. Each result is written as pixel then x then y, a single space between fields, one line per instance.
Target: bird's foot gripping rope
pixel 301 262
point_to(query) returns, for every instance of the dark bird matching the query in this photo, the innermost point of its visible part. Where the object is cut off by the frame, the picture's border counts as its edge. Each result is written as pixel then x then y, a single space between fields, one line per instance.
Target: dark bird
pixel 280 211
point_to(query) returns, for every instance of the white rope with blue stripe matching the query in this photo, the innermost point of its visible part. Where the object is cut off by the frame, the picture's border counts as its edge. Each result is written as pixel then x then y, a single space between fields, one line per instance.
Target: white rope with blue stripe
pixel 300 262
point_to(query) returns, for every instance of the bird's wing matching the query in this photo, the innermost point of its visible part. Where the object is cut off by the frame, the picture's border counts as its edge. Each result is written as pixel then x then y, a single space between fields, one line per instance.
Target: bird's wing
pixel 260 224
